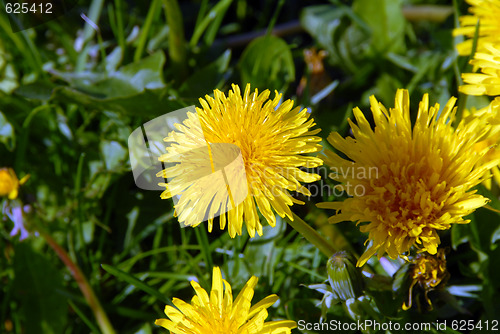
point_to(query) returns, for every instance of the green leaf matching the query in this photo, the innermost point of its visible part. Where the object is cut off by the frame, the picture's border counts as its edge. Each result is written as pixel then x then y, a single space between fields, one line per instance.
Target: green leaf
pixel 136 88
pixel 129 80
pixel 386 21
pixel 490 275
pixel 341 32
pixel 137 283
pixel 402 61
pixel 40 90
pixel 306 309
pixel 36 285
pixel 206 79
pixel 218 10
pixel 386 85
pixel 386 302
pixel 459 235
pixel 8 79
pixel 267 63
pixel 484 227
pixel 322 22
pixel 401 281
pixel 7 135
pixel 148 103
pixel 114 59
pixel 494 201
pixel 215 25
pixel 496 236
pixel 114 154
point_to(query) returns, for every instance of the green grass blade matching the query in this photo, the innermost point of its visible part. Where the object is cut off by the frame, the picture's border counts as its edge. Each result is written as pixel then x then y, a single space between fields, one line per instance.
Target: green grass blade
pixel 137 283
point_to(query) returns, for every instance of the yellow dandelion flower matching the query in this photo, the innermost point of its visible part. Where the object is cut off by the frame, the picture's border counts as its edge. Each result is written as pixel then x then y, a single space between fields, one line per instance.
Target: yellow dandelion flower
pixel 491 114
pixel 9 183
pixel 271 139
pixel 409 182
pixel 218 314
pixel 429 271
pixel 487 82
pixel 487 13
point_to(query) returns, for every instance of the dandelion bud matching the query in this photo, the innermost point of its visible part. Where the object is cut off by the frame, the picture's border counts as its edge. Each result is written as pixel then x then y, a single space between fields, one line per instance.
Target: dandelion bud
pixel 345 278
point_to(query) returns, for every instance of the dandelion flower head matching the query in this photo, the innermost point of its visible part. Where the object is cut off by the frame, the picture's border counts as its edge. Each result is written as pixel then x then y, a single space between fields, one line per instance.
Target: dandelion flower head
pixel 9 183
pixel 424 175
pixel 217 313
pixel 272 138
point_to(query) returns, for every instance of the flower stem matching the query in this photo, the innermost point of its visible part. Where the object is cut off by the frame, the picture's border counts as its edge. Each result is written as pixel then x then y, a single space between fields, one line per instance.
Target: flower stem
pixel 311 235
pixel 83 284
pixel 176 47
pixel 377 282
pixel 433 13
pixel 316 239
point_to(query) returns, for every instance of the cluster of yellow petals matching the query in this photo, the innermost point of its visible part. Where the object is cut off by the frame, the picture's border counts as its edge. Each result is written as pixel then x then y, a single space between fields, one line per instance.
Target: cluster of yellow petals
pixel 428 271
pixel 424 180
pixel 488 81
pixel 491 114
pixel 487 13
pixel 217 313
pixel 9 183
pixel 272 137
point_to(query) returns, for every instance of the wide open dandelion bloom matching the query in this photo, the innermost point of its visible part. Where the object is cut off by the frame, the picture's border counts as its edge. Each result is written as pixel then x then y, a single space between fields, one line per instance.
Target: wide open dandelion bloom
pixel 217 313
pixel 424 175
pixel 487 12
pixel 270 137
pixel 488 81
